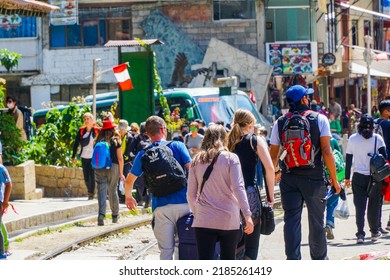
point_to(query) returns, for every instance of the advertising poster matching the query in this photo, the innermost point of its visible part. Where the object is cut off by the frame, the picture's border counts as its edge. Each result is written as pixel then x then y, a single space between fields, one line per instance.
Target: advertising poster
pixel 291 58
pixel 67 15
pixel 386 7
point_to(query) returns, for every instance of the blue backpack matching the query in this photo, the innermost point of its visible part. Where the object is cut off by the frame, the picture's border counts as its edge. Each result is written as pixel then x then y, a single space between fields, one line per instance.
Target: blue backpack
pixel 101 157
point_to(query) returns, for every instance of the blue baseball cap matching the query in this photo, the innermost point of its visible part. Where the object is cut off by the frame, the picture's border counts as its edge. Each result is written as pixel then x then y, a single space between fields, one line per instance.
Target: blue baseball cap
pixel 296 93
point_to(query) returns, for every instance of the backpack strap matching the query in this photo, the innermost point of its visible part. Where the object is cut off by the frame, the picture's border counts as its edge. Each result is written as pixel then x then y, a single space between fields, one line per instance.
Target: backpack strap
pixel 254 148
pixel 375 145
pixel 208 171
pixel 378 126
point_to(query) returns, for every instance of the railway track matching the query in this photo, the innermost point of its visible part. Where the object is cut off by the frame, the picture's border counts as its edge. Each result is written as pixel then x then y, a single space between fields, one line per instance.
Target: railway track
pixel 133 243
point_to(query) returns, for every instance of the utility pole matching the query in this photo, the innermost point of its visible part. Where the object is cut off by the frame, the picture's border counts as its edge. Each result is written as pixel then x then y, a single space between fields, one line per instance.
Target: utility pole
pixel 94 79
pixel 367 58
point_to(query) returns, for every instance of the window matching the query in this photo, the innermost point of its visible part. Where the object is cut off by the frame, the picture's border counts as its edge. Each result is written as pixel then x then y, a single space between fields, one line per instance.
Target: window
pixel 96 26
pixel 234 9
pixel 288 24
pixel 15 26
pixel 354 30
pixel 367 27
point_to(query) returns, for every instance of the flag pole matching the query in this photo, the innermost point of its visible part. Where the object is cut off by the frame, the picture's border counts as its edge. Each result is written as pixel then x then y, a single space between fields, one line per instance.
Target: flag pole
pixel 94 78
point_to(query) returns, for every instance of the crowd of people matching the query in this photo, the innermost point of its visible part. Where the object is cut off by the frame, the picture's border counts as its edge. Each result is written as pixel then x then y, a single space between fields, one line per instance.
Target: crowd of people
pixel 220 170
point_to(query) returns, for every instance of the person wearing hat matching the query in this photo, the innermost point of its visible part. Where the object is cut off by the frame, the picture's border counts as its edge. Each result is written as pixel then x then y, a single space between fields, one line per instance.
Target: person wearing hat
pixel 107 179
pixel 304 184
pixel 360 145
pixel 126 138
pixel 85 139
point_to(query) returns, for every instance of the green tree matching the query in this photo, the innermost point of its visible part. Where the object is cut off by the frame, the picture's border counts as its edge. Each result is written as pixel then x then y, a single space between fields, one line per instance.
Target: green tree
pixel 53 142
pixel 12 143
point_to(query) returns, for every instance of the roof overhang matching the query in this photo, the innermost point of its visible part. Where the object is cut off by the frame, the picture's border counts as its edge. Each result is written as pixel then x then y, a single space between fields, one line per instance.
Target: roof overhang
pixel 358 65
pixel 26 8
pixel 132 43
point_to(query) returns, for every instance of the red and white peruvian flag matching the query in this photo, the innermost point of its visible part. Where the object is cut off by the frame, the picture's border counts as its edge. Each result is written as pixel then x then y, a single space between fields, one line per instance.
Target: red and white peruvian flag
pixel 123 77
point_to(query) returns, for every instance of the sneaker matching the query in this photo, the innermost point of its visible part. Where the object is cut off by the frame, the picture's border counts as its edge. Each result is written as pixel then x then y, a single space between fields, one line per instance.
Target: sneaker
pixel 8 253
pixel 3 256
pixel 360 239
pixel 329 233
pixel 115 219
pixel 383 231
pixel 375 236
pixel 100 221
pixel 90 196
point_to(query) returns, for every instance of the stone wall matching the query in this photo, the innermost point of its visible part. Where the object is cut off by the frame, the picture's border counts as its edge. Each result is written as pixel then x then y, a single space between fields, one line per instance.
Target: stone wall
pixel 59 181
pixel 23 181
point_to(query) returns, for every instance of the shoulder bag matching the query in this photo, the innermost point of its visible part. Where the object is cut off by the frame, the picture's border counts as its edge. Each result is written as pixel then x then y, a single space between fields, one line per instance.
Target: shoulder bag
pixel 379 168
pixel 267 218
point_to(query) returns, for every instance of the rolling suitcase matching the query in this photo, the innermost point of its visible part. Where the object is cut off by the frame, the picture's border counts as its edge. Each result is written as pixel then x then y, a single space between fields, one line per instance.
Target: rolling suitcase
pixel 187 241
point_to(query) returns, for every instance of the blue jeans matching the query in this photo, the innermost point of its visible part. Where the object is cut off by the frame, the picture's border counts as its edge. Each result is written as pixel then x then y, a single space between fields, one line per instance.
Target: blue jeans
pixel 296 190
pixel 331 204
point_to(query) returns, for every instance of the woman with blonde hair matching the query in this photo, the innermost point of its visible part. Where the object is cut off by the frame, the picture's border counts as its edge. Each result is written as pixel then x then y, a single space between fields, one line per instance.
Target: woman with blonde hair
pixel 249 147
pixel 107 179
pixel 216 206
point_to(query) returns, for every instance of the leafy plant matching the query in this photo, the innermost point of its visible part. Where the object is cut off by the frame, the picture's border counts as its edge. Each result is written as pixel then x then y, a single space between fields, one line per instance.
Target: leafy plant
pixel 2 92
pixel 9 59
pixel 53 142
pixel 12 143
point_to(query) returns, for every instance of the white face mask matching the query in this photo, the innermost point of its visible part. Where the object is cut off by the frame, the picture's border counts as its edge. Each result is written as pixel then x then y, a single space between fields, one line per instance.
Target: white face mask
pixel 10 106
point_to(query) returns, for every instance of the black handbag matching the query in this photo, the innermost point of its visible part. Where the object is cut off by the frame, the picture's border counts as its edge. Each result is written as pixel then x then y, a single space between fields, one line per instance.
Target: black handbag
pixel 379 168
pixel 267 218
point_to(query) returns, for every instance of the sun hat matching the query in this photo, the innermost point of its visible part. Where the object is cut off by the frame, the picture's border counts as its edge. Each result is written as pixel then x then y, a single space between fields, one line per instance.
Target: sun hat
pixel 107 124
pixel 123 124
pixel 296 93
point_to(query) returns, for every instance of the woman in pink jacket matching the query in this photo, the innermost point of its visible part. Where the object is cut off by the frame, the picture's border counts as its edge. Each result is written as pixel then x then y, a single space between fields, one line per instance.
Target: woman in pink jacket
pixel 217 206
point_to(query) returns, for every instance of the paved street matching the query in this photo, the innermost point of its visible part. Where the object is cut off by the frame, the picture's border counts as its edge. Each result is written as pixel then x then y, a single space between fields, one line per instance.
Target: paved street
pixel 343 246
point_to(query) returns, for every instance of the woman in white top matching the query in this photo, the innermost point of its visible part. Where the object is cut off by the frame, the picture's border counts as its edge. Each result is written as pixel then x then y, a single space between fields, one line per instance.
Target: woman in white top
pixel 360 145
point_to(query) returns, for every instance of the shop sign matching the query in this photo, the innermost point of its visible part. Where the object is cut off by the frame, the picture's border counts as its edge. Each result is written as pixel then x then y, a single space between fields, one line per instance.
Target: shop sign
pixel 328 59
pixel 67 15
pixel 10 21
pixel 292 58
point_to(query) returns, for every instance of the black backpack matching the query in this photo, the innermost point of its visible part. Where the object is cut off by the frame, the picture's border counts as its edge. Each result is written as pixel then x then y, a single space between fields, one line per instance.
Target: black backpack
pixel 163 174
pixel 26 120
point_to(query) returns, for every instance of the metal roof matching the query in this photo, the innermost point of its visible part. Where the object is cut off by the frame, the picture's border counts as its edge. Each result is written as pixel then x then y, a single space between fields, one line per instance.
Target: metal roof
pixel 132 43
pixel 26 7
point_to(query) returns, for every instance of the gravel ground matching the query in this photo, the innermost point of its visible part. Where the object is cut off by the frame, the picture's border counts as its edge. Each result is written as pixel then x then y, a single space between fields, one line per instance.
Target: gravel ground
pixel 119 246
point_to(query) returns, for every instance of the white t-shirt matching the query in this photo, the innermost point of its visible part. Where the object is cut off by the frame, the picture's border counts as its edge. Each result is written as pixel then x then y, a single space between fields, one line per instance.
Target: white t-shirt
pixel 323 125
pixel 359 148
pixel 88 150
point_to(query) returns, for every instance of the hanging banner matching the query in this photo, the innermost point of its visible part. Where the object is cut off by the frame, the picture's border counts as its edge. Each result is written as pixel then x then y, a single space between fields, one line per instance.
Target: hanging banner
pixel 10 21
pixel 68 13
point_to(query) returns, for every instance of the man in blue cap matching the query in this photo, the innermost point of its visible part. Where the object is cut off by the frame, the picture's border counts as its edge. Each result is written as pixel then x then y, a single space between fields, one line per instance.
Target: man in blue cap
pixel 304 136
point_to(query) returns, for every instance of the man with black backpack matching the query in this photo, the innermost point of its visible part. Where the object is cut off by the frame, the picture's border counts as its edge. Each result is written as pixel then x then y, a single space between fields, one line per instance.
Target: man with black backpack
pixel 304 136
pixel 163 165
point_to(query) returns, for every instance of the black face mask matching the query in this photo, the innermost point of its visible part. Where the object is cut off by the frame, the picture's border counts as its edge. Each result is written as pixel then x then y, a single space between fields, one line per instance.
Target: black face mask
pixel 366 133
pixel 184 133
